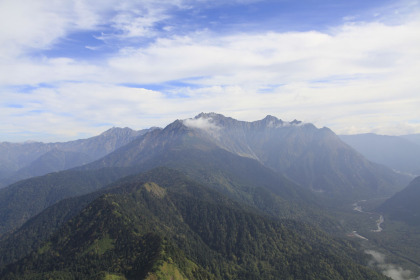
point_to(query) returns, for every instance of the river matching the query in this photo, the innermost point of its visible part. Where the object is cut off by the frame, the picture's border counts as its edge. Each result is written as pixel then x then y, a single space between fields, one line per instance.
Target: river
pixel 378 224
pixel 357 207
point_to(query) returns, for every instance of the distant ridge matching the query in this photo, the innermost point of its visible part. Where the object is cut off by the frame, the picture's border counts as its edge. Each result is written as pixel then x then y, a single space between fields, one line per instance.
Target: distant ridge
pixel 400 153
pixel 24 160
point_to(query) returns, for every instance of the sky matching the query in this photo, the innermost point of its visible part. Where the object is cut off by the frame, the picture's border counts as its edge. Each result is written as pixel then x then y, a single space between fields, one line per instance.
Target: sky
pixel 72 69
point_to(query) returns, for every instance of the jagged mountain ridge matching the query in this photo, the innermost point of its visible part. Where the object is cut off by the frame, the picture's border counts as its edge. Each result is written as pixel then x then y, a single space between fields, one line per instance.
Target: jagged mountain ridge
pixel 193 150
pixel 314 158
pixel 19 161
pixel 242 178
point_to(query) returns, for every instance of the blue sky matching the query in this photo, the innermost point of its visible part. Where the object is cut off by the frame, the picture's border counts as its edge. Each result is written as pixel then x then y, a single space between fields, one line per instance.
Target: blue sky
pixel 72 69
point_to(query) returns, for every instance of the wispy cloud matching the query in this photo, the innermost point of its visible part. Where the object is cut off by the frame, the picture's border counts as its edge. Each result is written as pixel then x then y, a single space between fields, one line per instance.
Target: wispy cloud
pixel 205 124
pixel 32 25
pixel 358 76
pixel 393 271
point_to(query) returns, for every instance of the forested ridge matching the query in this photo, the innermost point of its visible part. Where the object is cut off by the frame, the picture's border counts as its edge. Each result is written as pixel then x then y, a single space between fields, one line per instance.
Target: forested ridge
pixel 142 229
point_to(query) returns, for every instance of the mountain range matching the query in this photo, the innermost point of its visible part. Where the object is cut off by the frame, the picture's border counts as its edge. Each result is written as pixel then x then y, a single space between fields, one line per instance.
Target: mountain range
pixel 240 159
pixel 19 161
pixel 314 158
pixel 209 197
pixel 415 138
pixel 401 153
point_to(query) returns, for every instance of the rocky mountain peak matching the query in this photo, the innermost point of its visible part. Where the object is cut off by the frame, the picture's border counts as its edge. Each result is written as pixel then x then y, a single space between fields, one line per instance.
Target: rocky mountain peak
pixel 118 131
pixel 216 119
pixel 295 122
pixel 209 115
pixel 272 121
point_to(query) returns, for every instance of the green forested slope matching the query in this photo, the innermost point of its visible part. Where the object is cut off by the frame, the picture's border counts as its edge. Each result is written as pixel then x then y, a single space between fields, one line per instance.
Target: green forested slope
pixel 33 233
pixel 181 229
pixel 258 187
pixel 404 205
pixel 26 198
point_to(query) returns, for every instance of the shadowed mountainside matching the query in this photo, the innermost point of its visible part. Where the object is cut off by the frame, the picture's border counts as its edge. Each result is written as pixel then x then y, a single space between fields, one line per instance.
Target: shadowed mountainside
pixel 404 205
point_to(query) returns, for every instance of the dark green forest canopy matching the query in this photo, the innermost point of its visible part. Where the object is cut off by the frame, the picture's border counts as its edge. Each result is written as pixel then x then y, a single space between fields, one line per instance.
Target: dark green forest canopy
pixel 142 227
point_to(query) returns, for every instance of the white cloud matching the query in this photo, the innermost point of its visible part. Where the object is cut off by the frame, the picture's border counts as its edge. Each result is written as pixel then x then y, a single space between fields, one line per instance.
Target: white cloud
pixel 358 77
pixel 137 22
pixel 33 71
pixel 390 270
pixel 202 123
pixel 27 25
pixel 364 51
pixel 359 73
pixel 74 108
pixel 36 25
pixel 22 27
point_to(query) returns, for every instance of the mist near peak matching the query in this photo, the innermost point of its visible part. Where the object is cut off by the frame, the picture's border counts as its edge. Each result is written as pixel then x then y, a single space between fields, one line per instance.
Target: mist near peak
pixel 205 124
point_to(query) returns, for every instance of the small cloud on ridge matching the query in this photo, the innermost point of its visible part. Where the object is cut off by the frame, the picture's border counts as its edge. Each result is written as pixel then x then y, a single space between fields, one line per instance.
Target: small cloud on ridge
pixel 205 124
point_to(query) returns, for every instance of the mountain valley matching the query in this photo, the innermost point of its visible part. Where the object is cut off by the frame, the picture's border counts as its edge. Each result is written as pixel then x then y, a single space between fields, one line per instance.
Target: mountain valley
pixel 209 197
